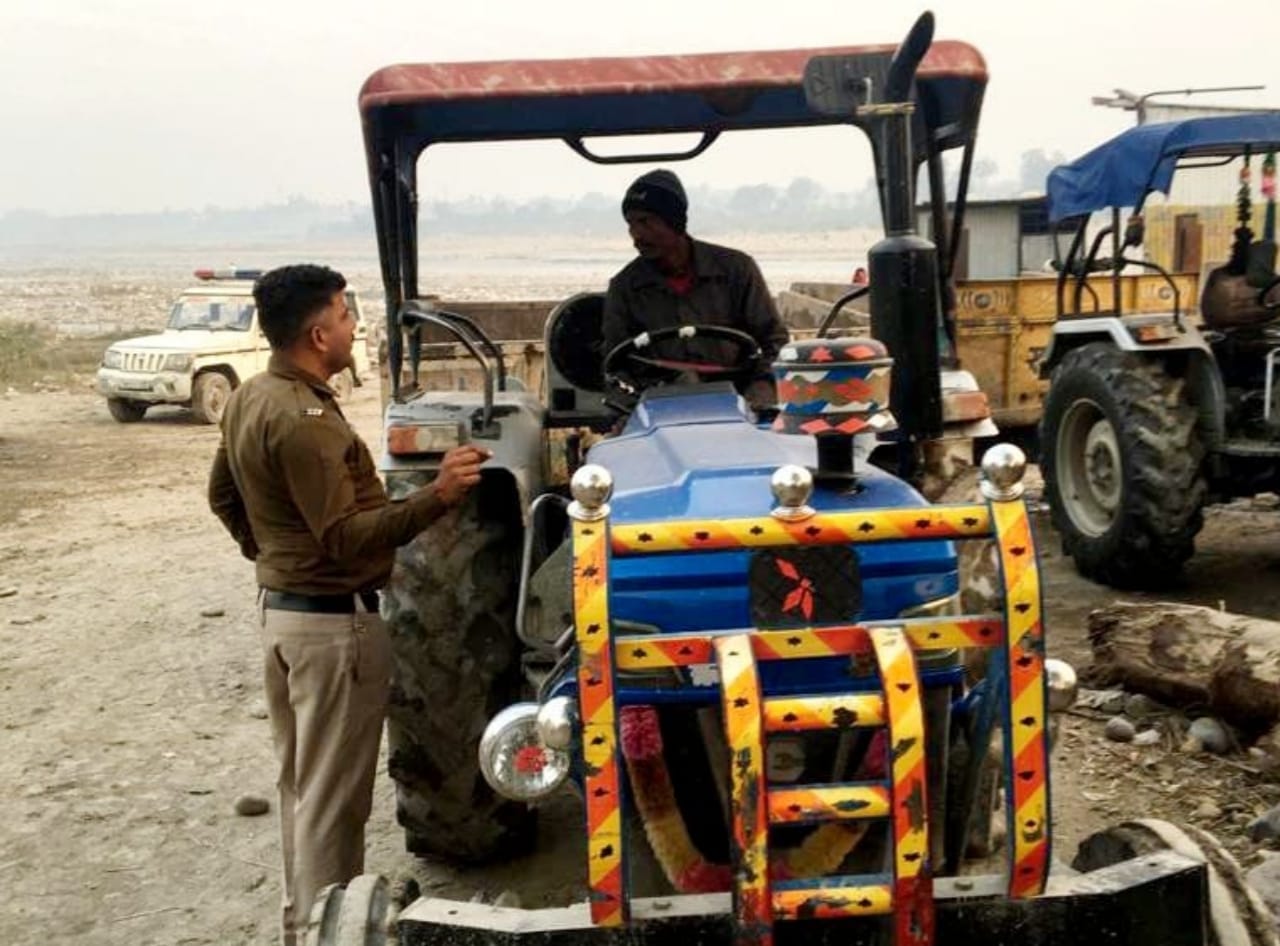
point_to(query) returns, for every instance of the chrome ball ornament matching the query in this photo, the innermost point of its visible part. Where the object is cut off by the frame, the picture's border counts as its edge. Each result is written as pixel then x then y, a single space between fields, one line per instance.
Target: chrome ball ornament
pixel 591 487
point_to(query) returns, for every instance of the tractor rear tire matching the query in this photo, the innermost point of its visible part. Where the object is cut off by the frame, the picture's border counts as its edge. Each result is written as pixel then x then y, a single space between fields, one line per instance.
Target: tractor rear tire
pixel 209 396
pixel 450 610
pixel 360 914
pixel 125 410
pixel 1237 915
pixel 1122 465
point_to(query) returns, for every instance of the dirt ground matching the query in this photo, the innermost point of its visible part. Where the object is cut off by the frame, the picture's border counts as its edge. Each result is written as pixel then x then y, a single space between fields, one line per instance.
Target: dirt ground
pixel 130 680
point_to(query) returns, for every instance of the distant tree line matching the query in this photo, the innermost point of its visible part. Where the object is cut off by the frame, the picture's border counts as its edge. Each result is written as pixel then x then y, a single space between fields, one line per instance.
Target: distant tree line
pixel 803 204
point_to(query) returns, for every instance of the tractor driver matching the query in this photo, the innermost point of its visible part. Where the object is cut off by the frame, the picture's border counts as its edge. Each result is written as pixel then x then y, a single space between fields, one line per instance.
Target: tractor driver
pixel 677 280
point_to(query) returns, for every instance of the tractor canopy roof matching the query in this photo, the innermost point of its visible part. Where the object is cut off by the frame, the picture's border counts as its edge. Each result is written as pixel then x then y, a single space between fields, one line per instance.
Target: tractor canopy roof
pixel 1122 172
pixel 405 108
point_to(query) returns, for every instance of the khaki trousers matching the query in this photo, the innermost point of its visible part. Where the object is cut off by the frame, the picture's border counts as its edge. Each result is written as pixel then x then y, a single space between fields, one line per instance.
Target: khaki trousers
pixel 327 677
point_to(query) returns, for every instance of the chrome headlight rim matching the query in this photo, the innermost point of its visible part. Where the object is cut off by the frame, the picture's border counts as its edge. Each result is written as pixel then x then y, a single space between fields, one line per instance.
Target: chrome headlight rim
pixel 512 732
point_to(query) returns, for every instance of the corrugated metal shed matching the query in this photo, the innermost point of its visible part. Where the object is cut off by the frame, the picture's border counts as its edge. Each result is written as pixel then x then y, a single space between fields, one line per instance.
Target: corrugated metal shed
pixel 1003 237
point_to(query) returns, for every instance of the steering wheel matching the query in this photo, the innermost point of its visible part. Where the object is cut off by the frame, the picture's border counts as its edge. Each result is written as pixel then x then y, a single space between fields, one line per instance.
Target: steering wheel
pixel 634 352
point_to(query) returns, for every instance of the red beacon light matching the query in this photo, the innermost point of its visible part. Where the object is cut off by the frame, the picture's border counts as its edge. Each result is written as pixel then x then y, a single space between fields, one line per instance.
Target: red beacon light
pixel 211 274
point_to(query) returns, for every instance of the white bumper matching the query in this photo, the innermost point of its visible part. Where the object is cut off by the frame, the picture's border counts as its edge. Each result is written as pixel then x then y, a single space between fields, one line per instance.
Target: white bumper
pixel 153 387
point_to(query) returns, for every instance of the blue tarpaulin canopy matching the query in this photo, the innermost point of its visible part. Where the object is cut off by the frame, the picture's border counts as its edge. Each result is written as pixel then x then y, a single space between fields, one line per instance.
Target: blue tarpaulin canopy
pixel 1123 171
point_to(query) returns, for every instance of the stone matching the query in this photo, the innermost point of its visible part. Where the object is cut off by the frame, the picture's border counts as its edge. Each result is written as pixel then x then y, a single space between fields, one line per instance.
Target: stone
pixel 254 882
pixel 8 592
pixel 251 806
pixel 1211 734
pixel 1110 702
pixel 1140 706
pixel 1119 729
pixel 258 709
pixel 212 612
pixel 1207 811
pixel 1148 737
pixel 1266 827
pixel 1265 879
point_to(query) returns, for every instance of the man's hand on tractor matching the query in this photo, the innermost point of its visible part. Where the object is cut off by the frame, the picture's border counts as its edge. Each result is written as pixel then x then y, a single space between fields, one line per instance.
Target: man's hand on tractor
pixel 459 471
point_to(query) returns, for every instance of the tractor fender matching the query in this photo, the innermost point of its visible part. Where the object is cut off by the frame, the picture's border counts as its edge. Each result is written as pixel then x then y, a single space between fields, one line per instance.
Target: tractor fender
pixel 1125 333
pixel 515 440
pixel 1185 354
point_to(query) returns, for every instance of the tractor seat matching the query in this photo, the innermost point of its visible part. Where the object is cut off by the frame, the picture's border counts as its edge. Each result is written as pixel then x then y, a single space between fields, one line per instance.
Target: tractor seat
pixel 575 340
pixel 1231 301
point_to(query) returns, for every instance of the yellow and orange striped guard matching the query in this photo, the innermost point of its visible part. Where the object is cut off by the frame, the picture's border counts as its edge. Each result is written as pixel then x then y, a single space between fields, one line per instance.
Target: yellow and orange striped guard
pixel 1025 717
pixel 913 885
pixel 837 528
pixel 601 784
pixel 742 701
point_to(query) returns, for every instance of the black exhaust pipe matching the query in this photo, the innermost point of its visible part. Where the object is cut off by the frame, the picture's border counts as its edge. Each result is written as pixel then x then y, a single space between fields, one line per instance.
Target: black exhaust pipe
pixel 904 265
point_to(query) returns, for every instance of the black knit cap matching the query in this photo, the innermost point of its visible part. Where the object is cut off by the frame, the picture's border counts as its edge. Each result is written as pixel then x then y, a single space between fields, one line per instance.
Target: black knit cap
pixel 661 194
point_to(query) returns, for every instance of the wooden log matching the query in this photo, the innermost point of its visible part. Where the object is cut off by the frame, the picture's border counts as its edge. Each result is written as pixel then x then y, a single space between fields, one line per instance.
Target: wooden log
pixel 1190 657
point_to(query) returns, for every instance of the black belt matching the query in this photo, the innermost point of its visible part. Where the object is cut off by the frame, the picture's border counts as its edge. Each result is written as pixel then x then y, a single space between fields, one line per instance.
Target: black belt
pixel 319 604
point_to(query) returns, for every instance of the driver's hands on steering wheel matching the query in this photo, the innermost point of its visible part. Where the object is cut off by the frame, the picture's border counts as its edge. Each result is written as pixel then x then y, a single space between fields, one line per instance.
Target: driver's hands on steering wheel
pixel 637 353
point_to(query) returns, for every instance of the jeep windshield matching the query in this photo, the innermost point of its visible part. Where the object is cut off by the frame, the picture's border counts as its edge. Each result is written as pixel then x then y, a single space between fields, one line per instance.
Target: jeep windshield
pixel 212 313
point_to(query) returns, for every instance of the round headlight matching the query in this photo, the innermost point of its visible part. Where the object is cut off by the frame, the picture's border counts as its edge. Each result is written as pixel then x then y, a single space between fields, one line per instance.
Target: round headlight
pixel 515 761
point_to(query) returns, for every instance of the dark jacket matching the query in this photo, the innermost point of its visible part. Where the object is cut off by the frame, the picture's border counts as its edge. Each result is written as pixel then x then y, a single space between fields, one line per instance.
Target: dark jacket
pixel 297 489
pixel 728 290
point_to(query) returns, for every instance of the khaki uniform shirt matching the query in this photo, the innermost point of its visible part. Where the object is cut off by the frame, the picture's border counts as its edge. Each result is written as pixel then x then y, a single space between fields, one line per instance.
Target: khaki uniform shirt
pixel 728 290
pixel 297 488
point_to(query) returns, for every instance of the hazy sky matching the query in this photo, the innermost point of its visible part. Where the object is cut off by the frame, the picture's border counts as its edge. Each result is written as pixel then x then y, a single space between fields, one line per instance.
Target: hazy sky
pixel 141 105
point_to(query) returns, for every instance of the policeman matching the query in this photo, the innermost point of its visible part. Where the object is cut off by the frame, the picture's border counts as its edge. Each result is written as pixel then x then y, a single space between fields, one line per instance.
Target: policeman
pixel 297 489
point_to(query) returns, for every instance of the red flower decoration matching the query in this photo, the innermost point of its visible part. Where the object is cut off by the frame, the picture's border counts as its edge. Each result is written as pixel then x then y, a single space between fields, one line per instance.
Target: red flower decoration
pixel 801 596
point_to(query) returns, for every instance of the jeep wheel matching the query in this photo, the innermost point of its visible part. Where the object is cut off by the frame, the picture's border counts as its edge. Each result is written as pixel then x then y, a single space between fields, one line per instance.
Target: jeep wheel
pixel 1122 466
pixel 126 411
pixel 1237 916
pixel 450 609
pixel 342 384
pixel 209 396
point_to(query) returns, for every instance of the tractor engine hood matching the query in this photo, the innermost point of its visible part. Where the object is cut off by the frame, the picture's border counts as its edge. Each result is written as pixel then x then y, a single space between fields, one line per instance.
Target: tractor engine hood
pixel 695 452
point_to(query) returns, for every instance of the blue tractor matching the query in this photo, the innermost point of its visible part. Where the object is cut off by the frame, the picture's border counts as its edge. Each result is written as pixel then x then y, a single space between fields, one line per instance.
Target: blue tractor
pixel 735 637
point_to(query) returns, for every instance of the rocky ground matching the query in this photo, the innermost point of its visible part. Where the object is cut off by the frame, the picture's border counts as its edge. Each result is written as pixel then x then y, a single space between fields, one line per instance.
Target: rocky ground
pixel 132 714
